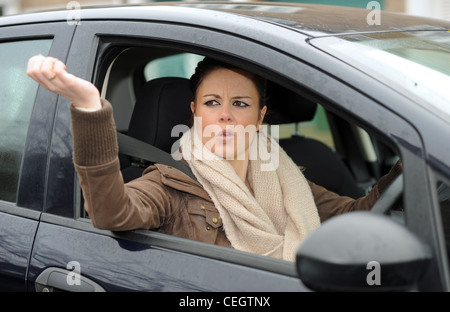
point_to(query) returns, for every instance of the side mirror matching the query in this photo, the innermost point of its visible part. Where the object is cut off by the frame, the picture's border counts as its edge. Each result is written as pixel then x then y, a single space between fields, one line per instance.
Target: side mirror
pixel 362 251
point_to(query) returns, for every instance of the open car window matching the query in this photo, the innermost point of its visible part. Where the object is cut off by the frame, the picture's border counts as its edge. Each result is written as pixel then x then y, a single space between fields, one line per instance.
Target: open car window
pixel 359 158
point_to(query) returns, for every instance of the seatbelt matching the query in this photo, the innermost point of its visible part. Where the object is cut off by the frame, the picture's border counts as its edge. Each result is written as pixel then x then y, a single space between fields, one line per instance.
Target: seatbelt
pixel 133 147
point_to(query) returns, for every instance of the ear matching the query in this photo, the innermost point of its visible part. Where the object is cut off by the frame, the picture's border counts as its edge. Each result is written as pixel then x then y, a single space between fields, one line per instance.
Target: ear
pixel 193 107
pixel 261 115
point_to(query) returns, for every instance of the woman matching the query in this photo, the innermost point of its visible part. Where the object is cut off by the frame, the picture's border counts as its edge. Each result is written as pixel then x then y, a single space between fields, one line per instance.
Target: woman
pixel 235 203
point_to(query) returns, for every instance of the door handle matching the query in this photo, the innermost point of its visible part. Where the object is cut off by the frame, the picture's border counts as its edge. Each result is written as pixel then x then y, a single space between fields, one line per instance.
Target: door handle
pixel 57 279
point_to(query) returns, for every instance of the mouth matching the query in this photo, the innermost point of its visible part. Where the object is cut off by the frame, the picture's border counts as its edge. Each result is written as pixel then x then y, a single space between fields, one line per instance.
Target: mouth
pixel 225 135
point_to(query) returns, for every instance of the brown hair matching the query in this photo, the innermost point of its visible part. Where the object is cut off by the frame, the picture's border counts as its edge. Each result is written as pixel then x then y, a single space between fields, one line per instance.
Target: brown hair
pixel 207 65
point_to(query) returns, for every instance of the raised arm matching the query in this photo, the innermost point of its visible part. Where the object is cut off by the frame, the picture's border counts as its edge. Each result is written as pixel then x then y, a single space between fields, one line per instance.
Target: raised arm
pixel 109 202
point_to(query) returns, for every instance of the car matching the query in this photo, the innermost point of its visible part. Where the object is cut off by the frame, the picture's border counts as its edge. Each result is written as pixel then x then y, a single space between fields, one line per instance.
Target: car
pixel 348 97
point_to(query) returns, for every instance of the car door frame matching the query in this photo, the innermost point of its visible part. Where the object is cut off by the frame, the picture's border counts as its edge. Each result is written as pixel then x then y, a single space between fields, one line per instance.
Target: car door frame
pixel 359 105
pixel 19 220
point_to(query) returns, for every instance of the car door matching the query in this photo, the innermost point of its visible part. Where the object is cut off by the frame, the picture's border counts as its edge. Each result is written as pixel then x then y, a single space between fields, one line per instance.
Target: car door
pixel 25 131
pixel 67 245
pixel 70 254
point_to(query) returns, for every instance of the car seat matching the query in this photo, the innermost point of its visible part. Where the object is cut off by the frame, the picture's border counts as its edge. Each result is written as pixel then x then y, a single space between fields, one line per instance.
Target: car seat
pixel 322 165
pixel 161 104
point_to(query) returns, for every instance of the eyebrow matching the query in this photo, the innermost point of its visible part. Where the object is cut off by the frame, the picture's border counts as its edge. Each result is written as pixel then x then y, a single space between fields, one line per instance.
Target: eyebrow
pixel 234 97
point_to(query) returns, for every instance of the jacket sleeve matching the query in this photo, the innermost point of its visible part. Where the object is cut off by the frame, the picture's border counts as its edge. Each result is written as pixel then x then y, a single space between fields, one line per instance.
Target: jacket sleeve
pixel 330 204
pixel 110 203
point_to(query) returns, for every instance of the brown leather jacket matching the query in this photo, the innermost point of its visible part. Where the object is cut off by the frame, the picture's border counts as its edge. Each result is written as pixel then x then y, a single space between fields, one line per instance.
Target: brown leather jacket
pixel 164 198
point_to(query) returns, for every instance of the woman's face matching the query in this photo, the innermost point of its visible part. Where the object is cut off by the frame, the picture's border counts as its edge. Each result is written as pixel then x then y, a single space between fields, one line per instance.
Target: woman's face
pixel 226 110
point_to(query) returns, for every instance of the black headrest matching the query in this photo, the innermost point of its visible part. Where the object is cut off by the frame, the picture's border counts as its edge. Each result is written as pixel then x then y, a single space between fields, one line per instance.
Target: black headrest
pixel 160 105
pixel 286 106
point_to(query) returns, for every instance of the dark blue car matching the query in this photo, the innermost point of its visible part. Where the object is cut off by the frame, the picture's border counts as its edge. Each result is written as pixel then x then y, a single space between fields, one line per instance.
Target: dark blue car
pixel 350 95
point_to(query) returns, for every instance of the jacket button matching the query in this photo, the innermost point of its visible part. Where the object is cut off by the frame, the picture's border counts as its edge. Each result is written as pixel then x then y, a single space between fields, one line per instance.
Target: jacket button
pixel 208 228
pixel 215 220
pixel 203 206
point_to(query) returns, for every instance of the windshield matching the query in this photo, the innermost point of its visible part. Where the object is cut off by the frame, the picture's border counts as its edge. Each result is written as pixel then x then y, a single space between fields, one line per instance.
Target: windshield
pixel 416 62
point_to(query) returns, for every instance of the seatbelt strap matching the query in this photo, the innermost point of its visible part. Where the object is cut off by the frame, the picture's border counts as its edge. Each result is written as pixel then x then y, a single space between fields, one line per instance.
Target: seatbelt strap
pixel 136 148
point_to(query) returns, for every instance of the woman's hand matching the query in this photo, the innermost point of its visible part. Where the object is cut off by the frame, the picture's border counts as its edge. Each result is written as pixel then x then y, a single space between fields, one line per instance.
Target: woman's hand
pixel 51 74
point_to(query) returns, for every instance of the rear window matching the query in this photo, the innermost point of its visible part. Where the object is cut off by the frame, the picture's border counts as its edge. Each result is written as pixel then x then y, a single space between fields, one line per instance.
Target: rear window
pixel 17 94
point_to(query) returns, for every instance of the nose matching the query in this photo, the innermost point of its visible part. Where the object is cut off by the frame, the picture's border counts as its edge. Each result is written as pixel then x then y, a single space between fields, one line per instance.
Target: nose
pixel 225 113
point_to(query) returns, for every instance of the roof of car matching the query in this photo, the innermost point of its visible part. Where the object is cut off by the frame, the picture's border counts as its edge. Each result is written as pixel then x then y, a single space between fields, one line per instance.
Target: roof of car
pixel 327 19
pixel 310 19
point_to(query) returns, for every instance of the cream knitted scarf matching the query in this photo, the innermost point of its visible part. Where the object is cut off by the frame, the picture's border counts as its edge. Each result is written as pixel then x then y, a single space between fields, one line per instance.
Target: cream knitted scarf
pixel 282 211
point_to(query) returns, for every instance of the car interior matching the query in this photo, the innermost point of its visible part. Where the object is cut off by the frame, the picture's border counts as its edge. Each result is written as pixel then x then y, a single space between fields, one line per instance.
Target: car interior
pixel 148 88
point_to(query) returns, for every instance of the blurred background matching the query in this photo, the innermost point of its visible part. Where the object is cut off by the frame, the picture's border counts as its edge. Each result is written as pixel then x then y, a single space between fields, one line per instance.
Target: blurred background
pixel 430 8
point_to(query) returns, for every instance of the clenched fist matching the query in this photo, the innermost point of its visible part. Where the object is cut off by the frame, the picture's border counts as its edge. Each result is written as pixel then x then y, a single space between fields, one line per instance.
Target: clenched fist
pixel 51 74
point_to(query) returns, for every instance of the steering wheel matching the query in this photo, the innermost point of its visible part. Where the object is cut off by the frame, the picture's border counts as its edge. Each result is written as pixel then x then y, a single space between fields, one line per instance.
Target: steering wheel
pixel 389 196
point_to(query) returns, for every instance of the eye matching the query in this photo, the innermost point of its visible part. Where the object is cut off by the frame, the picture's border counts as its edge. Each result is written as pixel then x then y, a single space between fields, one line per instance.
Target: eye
pixel 240 104
pixel 212 103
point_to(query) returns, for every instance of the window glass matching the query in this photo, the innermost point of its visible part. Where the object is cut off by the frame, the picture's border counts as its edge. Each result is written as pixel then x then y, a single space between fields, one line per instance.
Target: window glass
pixel 318 129
pixel 17 93
pixel 179 65
pixel 417 63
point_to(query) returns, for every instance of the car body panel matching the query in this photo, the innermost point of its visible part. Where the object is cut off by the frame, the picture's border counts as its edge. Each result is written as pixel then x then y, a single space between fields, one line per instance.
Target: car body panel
pixel 152 268
pixel 16 242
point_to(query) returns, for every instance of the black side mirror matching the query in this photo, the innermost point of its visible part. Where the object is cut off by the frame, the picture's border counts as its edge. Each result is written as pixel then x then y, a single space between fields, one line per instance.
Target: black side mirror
pixel 362 251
